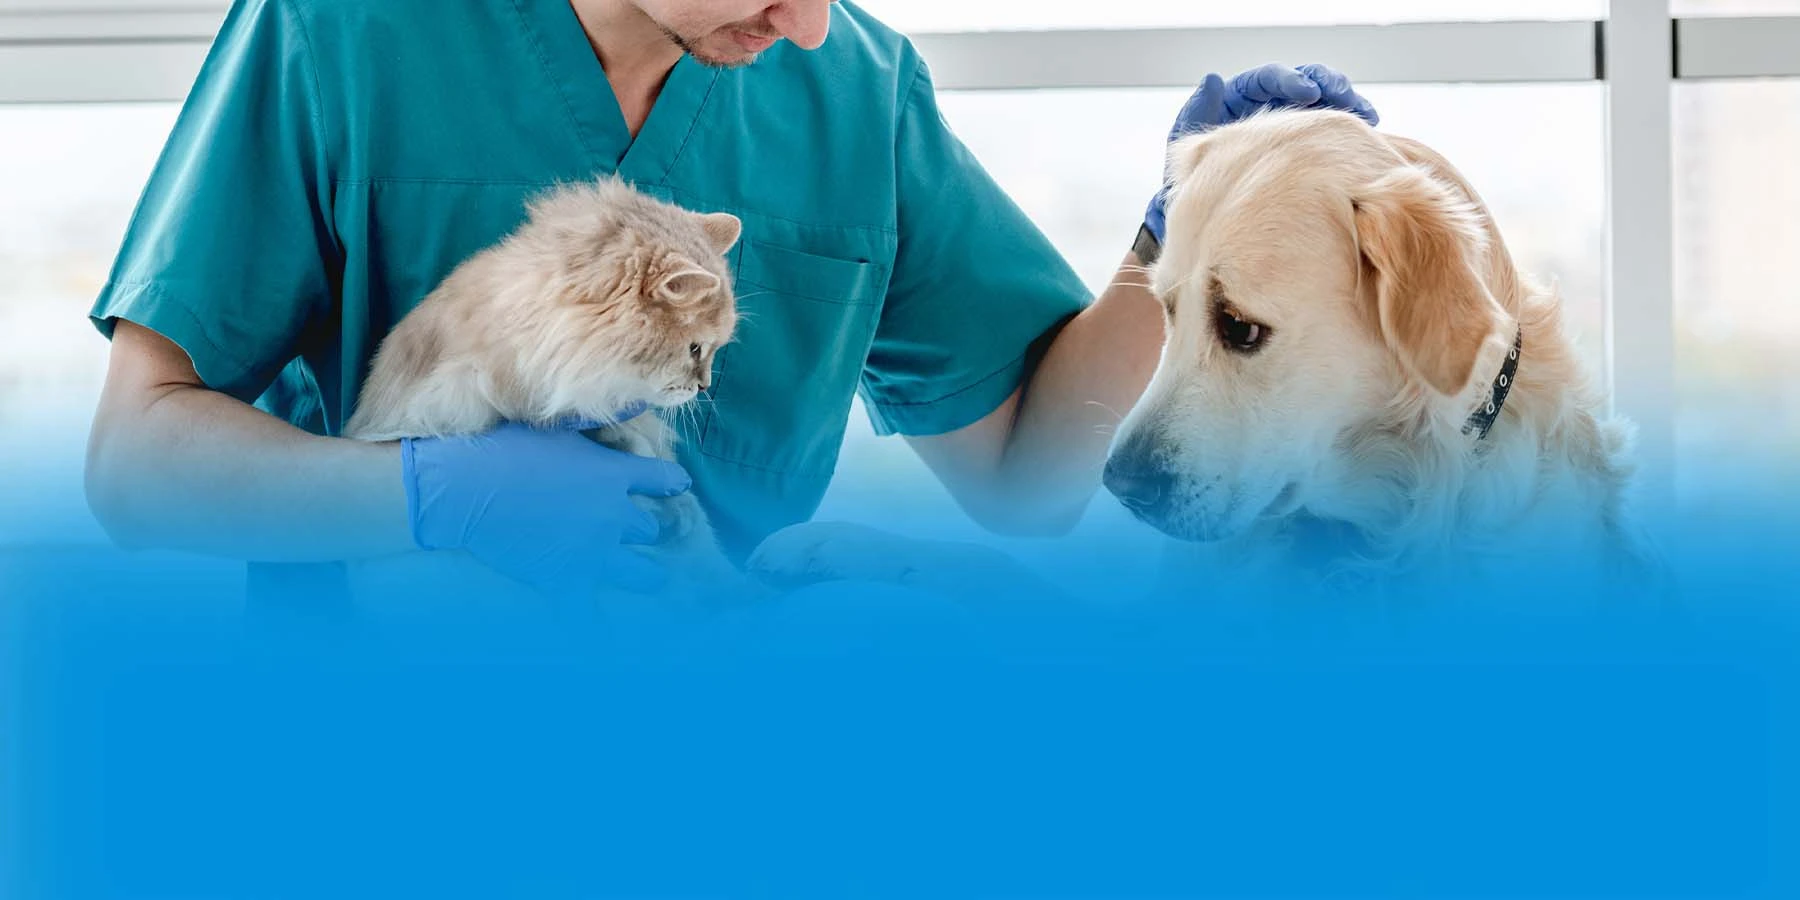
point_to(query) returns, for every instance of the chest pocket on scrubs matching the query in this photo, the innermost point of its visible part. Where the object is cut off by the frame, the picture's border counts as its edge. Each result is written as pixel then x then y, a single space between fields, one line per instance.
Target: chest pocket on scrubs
pixel 783 387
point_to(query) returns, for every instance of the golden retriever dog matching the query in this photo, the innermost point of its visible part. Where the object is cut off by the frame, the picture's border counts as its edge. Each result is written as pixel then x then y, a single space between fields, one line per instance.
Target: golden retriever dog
pixel 1357 387
pixel 1357 380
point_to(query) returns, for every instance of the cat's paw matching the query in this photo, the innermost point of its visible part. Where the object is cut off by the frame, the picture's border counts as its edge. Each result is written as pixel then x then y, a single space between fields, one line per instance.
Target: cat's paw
pixel 677 518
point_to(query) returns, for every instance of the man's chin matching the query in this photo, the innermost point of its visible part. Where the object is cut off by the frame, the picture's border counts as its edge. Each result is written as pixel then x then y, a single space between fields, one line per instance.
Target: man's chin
pixel 715 52
pixel 722 54
pixel 716 62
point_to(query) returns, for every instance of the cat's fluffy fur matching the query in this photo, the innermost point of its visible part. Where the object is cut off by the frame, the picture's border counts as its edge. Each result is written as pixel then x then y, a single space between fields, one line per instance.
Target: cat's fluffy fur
pixel 602 299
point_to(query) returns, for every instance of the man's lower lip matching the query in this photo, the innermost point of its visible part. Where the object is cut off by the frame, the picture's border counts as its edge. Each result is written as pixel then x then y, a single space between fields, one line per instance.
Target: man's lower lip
pixel 754 43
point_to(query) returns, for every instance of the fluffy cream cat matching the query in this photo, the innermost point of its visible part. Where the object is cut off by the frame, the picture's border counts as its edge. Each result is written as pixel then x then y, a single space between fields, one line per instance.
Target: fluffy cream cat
pixel 603 299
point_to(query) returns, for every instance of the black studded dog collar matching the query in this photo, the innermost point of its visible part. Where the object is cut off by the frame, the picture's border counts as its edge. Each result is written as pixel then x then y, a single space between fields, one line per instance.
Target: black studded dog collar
pixel 1483 419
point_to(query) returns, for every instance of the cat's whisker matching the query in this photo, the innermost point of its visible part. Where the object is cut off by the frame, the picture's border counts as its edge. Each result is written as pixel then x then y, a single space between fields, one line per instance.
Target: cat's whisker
pixel 690 411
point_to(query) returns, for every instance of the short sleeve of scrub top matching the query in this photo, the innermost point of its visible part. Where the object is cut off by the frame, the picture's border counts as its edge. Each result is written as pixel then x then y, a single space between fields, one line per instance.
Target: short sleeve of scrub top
pixel 230 253
pixel 974 284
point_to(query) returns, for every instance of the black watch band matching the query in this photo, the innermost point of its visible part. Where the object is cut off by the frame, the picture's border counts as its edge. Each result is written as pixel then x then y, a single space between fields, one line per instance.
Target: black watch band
pixel 1146 246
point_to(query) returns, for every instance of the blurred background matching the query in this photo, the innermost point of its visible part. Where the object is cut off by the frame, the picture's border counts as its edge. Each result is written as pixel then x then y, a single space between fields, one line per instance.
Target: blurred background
pixel 1082 161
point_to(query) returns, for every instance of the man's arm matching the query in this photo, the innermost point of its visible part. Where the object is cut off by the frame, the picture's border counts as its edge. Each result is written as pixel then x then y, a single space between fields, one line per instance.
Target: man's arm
pixel 173 464
pixel 1031 466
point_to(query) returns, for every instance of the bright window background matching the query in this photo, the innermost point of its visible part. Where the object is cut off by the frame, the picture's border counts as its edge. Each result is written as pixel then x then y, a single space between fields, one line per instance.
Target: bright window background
pixel 69 178
pixel 1737 290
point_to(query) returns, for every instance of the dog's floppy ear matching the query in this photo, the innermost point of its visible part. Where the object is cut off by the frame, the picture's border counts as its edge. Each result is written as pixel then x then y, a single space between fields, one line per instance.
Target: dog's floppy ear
pixel 1184 157
pixel 1424 246
pixel 1503 276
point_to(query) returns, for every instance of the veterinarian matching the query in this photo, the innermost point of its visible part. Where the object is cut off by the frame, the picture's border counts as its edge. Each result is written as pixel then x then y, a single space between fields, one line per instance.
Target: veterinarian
pixel 336 159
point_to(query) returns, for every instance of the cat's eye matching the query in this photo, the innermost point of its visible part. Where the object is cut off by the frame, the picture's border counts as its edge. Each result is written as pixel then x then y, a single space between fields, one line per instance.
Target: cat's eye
pixel 1237 334
pixel 694 350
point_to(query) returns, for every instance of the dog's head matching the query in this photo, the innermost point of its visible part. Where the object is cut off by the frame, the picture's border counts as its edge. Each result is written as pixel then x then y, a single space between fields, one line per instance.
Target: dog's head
pixel 1315 273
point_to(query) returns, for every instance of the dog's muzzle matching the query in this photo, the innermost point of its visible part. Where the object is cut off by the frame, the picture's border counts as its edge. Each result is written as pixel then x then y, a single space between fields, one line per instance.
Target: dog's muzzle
pixel 1142 474
pixel 1136 476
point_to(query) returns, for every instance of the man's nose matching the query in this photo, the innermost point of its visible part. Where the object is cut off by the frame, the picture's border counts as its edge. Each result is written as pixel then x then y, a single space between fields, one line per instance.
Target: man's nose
pixel 805 22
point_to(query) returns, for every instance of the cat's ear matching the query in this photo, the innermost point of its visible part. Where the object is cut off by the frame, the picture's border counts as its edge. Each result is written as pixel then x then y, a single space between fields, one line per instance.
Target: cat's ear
pixel 722 229
pixel 686 285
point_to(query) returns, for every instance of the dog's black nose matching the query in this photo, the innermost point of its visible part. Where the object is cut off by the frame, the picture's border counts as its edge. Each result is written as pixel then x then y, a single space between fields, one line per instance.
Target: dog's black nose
pixel 1139 487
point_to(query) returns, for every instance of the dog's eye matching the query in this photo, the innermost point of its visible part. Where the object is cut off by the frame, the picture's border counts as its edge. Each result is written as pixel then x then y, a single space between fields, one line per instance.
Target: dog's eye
pixel 1238 334
pixel 694 350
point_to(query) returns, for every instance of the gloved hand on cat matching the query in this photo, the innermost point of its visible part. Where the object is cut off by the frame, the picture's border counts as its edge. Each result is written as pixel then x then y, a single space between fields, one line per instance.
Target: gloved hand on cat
pixel 1219 102
pixel 548 507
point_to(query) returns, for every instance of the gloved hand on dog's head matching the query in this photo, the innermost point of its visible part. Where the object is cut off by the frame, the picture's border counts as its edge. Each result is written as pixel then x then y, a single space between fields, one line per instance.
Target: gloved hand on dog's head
pixel 1274 86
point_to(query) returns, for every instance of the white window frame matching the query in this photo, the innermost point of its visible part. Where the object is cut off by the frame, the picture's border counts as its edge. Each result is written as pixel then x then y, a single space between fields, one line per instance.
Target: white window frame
pixel 1637 62
pixel 73 51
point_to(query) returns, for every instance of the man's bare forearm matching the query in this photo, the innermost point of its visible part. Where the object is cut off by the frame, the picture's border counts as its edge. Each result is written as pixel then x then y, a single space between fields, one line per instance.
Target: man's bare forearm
pixel 174 465
pixel 1093 373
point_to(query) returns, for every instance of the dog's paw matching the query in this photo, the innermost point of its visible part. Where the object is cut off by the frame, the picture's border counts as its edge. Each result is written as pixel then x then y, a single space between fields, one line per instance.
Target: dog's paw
pixel 814 552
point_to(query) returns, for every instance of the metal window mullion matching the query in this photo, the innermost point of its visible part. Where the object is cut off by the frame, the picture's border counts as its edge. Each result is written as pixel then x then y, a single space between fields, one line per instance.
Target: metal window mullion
pixel 52 57
pixel 1492 52
pixel 99 72
pixel 103 51
pixel 74 50
pixel 1640 229
pixel 1739 47
pixel 116 26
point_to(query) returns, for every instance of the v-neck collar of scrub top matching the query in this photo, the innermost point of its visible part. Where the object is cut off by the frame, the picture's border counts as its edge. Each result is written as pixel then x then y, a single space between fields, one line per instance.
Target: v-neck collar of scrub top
pixel 594 108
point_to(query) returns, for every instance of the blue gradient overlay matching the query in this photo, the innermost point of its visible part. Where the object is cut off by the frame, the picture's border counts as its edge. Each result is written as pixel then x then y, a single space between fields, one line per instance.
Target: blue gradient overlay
pixel 1526 738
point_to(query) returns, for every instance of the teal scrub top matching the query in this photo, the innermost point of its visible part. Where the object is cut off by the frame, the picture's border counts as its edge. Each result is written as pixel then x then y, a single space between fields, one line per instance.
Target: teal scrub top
pixel 337 158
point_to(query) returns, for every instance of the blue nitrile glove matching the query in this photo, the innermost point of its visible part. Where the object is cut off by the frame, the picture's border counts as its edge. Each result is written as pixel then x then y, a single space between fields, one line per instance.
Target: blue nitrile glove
pixel 1273 86
pixel 547 507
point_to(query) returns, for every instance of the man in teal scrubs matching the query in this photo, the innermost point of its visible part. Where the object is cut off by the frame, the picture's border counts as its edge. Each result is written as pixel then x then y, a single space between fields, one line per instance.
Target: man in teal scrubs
pixel 337 158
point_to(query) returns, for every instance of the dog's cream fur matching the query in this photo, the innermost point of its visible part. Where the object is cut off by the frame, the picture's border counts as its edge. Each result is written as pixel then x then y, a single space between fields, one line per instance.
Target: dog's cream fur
pixel 1390 303
pixel 1335 455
